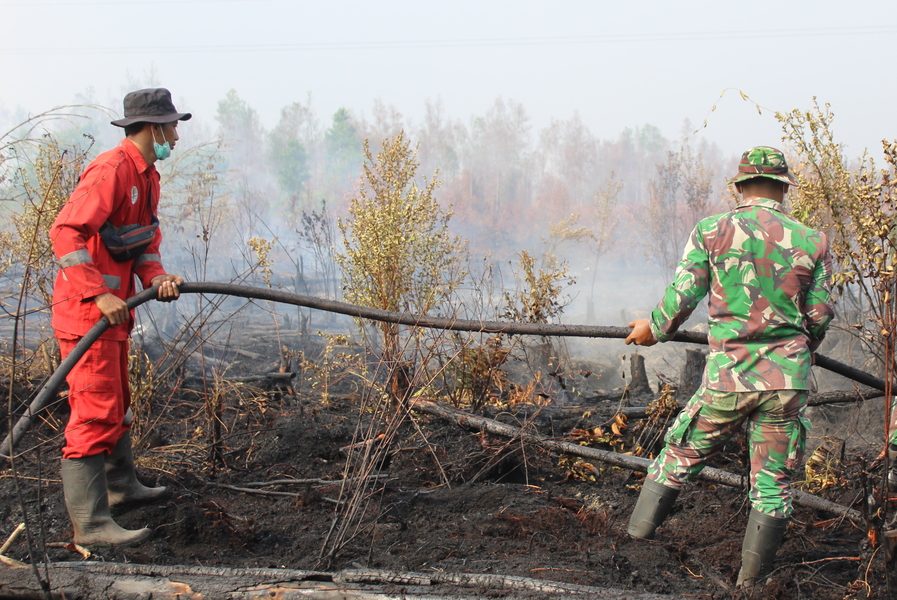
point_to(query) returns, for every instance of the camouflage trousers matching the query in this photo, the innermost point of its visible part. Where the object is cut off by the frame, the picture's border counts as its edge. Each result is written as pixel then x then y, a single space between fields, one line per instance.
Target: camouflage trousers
pixel 776 433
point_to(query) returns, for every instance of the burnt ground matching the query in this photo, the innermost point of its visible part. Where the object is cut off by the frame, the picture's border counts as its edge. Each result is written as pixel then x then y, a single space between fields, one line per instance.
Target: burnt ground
pixel 447 499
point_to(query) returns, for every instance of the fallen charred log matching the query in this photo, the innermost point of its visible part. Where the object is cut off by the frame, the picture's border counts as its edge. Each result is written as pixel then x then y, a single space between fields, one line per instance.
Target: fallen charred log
pixel 105 580
pixel 818 399
pixel 634 463
pixel 263 381
pixel 7 448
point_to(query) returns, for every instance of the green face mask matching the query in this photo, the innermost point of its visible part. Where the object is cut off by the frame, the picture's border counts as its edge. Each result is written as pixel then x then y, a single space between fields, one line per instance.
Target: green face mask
pixel 163 150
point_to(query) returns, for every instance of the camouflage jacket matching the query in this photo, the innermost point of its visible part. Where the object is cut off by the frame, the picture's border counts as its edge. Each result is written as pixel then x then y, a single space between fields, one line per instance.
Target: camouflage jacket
pixel 768 280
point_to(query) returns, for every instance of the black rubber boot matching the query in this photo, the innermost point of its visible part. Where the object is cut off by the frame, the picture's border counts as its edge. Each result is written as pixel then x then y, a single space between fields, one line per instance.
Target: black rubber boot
pixel 654 504
pixel 84 488
pixel 121 477
pixel 762 539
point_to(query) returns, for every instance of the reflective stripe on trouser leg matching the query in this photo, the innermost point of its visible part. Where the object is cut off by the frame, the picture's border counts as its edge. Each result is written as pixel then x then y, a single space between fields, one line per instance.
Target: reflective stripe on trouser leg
pixel 777 435
pixel 704 425
pixel 98 397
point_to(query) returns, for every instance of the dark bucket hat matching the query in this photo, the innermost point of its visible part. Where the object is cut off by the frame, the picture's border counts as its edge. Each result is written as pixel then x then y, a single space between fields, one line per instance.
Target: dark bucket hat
pixel 764 161
pixel 150 105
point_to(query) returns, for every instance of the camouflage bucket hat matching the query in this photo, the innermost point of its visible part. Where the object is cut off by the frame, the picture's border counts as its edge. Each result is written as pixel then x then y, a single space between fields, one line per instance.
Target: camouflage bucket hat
pixel 763 161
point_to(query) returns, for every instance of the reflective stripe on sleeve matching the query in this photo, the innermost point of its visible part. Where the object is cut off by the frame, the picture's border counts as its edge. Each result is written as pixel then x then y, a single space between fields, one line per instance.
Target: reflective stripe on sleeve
pixel 144 258
pixel 113 282
pixel 78 257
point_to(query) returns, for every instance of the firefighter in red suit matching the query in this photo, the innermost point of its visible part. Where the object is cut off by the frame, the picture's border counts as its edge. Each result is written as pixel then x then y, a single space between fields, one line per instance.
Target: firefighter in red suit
pixel 104 235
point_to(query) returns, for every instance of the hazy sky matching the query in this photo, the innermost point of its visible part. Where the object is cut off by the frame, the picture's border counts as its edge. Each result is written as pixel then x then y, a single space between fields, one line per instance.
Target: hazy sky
pixel 617 64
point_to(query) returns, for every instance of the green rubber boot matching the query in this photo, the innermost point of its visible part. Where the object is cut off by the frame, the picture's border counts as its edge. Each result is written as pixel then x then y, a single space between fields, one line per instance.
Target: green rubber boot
pixel 892 467
pixel 84 488
pixel 761 541
pixel 654 504
pixel 121 477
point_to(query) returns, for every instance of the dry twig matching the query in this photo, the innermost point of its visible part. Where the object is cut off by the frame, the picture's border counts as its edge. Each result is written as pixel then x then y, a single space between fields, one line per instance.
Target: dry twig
pixel 267 492
pixel 72 547
pixel 11 562
pixel 12 537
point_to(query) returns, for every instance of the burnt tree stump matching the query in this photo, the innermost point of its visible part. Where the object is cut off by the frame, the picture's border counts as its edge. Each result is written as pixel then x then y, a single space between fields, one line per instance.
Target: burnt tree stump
pixel 638 376
pixel 692 373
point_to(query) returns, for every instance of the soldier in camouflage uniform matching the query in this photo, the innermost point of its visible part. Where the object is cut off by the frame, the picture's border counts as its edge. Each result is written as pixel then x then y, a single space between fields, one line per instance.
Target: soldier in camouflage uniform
pixel 768 280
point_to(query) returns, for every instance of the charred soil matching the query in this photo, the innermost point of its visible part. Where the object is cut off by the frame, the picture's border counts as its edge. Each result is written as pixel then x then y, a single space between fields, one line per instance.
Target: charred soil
pixel 444 499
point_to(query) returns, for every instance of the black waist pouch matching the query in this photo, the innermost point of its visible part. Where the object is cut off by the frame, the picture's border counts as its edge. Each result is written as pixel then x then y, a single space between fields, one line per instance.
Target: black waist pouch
pixel 128 241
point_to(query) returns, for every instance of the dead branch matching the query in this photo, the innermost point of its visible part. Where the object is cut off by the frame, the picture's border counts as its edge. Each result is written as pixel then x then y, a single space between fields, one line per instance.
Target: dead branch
pixel 633 463
pixel 12 537
pixel 265 381
pixel 11 562
pixel 95 580
pixel 209 361
pixel 364 444
pixel 259 492
pixel 245 353
pixel 310 481
pixel 820 399
pixel 71 547
pixel 843 397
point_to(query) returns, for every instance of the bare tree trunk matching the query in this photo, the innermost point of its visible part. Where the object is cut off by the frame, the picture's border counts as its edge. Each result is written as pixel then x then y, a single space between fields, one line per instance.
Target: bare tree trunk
pixel 638 376
pixel 692 373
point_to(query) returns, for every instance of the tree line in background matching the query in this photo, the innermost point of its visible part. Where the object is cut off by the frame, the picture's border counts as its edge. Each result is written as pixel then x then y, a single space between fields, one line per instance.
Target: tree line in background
pixel 509 187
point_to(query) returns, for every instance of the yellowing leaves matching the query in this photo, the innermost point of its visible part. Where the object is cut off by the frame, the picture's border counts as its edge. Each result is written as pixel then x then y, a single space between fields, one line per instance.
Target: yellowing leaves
pixel 824 468
pixel 855 203
pixel 609 435
pixel 619 424
pixel 399 254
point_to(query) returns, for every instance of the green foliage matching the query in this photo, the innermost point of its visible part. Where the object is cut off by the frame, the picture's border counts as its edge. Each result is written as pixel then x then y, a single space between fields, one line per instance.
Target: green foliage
pixel 239 124
pixel 856 205
pixel 287 152
pixel 235 116
pixel 342 145
pixel 261 249
pixel 290 162
pixel 399 254
pixel 336 363
pixel 46 178
pixel 646 139
pixel 40 174
pixel 540 299
pixel 476 373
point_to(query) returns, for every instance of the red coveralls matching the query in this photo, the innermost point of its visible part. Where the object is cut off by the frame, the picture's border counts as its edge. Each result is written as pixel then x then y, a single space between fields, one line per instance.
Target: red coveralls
pixel 118 186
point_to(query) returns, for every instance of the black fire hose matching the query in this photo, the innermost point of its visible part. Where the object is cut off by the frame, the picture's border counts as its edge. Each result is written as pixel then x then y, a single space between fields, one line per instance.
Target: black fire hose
pixel 201 287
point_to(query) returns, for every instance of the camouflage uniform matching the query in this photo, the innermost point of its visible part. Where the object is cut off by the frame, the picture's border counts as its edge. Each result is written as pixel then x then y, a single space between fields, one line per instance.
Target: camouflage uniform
pixel 767 276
